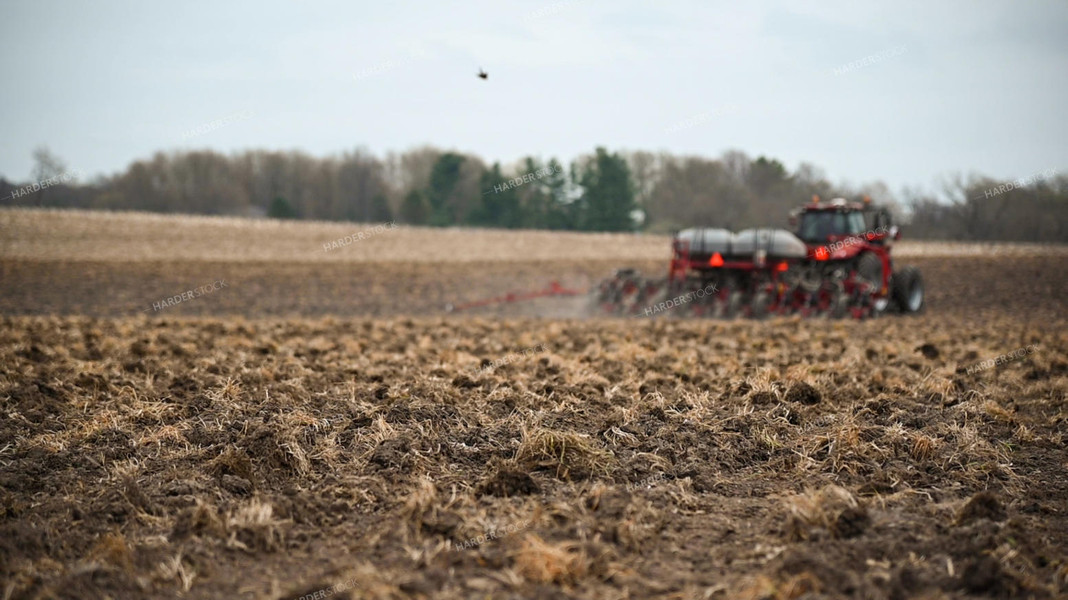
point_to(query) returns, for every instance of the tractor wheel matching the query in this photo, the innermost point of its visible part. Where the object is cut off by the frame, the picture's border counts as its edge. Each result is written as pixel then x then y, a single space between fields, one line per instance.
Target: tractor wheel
pixel 759 305
pixel 870 269
pixel 838 302
pixel 735 304
pixel 839 305
pixel 906 288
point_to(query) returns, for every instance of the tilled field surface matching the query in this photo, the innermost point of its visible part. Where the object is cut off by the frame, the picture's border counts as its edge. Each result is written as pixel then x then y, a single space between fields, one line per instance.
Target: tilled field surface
pixel 458 458
pixel 1028 288
pixel 323 428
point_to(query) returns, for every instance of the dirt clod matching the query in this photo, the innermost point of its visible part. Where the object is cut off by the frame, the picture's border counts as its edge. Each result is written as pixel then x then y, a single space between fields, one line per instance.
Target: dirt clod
pixel 928 351
pixel 509 482
pixel 803 393
pixel 238 486
pixel 983 505
pixel 391 454
pixel 850 523
pixel 984 575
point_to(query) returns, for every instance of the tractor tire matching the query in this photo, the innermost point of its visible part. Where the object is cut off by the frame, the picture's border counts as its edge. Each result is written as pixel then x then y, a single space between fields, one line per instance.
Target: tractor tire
pixel 907 291
pixel 735 304
pixel 760 305
pixel 870 269
pixel 839 305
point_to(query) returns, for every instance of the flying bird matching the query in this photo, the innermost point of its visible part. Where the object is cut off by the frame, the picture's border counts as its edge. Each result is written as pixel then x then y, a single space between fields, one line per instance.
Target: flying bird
pixel 483 74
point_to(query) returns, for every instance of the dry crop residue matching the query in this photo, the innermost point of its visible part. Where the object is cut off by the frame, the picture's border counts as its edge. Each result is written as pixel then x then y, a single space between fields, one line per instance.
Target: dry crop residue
pixel 276 458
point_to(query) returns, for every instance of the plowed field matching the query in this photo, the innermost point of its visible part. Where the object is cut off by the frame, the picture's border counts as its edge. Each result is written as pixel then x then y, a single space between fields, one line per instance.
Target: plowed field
pixel 323 428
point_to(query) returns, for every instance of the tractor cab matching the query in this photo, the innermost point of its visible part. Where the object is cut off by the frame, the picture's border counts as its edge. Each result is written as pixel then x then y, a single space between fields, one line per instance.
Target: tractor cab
pixel 823 222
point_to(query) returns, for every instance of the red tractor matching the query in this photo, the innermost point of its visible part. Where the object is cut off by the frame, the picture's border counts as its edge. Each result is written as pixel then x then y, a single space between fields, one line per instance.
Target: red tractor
pixel 836 264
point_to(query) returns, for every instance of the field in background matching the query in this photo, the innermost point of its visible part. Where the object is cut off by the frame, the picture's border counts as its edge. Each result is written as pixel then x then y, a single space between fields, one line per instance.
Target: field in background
pixel 322 420
pixel 145 237
pixel 126 264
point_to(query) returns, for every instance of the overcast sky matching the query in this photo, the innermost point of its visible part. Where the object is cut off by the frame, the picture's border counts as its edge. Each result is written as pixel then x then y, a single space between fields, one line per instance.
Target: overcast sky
pixel 940 87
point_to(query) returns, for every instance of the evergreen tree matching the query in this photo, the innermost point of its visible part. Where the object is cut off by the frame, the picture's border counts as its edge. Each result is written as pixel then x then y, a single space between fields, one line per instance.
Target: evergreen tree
pixel 281 209
pixel 499 203
pixel 608 194
pixel 764 175
pixel 535 197
pixel 414 210
pixel 443 179
pixel 380 211
pixel 560 209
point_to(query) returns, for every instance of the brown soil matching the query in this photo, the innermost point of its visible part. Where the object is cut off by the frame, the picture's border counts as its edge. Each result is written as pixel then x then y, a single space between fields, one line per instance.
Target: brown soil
pixel 276 439
pixel 1030 289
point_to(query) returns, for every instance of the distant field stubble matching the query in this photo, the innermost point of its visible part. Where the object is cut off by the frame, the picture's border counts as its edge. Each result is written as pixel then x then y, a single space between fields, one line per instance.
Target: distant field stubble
pixel 101 236
pixel 320 424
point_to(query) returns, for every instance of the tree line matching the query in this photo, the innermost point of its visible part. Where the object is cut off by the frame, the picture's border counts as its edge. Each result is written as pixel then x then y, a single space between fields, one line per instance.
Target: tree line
pixel 600 191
